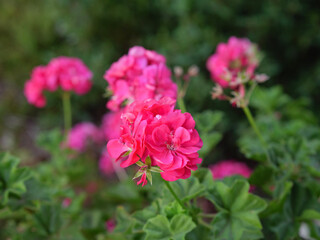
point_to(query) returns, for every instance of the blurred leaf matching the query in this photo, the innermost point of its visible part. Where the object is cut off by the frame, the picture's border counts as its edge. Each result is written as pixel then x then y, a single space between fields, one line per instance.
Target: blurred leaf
pixel 49 218
pixel 160 228
pixel 238 211
pixel 12 178
pixel 185 189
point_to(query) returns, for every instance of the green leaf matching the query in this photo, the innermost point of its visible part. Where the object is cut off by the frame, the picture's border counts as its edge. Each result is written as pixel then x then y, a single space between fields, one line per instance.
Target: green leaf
pixel 207 120
pixel 238 211
pixel 49 218
pixel 185 189
pixel 204 175
pixel 124 221
pixel 277 204
pixel 149 176
pixel 173 208
pixel 209 141
pixel 142 216
pixel 310 214
pixel 159 227
pixel 12 178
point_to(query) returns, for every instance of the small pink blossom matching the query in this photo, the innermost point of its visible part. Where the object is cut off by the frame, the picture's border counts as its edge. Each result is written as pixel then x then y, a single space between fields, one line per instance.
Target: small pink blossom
pixel 66 202
pixel 111 123
pixel 106 163
pixel 237 56
pixel 110 225
pixel 153 128
pixel 143 180
pixel 229 168
pixel 68 73
pixel 33 89
pixel 81 134
pixel 140 75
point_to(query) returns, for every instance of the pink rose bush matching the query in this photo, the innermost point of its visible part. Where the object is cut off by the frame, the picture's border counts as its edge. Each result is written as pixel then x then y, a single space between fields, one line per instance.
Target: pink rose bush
pixel 233 66
pixel 158 138
pixel 82 134
pixel 70 74
pixel 229 168
pixel 140 75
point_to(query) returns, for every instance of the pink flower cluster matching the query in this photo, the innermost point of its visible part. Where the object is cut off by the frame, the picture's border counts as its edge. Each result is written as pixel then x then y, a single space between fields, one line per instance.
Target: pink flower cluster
pixel 140 75
pixel 229 168
pixel 237 56
pixel 153 130
pixel 68 73
pixel 83 133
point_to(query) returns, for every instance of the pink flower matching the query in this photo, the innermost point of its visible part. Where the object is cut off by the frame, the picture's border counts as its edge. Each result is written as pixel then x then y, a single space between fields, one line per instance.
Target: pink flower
pixel 66 202
pixel 33 89
pixel 229 168
pixel 106 163
pixel 237 56
pixel 173 143
pixel 81 134
pixel 110 225
pixel 153 128
pixel 68 73
pixel 143 180
pixel 111 123
pixel 140 75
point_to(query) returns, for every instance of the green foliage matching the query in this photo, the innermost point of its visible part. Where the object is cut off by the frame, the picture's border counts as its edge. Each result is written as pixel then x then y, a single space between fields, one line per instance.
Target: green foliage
pixel 286 183
pixel 12 179
pixel 238 211
pixel 206 122
pixel 159 227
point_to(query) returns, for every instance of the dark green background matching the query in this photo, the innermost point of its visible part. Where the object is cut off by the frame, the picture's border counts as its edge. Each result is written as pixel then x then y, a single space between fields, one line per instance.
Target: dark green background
pixel 185 31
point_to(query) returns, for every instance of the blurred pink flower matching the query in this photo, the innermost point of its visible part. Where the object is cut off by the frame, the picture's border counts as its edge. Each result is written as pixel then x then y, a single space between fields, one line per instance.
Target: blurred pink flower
pixel 111 123
pixel 140 75
pixel 105 163
pixel 81 134
pixel 110 225
pixel 33 89
pixel 229 168
pixel 68 73
pixel 66 202
pixel 237 56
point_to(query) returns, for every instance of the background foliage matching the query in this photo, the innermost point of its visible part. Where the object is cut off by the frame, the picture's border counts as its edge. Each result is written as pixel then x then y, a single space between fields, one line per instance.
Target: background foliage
pixel 185 31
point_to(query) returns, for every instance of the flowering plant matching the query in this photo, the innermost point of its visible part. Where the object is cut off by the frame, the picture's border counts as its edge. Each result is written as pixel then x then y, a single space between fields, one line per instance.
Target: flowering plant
pixel 74 194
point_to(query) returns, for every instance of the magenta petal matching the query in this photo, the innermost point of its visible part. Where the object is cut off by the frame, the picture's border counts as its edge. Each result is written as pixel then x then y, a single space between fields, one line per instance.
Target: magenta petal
pixel 182 134
pixel 164 157
pixel 169 176
pixel 116 149
pixel 160 134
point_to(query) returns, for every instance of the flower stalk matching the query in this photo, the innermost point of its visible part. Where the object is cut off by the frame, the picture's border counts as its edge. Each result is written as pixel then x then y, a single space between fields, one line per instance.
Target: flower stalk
pixel 67 114
pixel 175 195
pixel 256 130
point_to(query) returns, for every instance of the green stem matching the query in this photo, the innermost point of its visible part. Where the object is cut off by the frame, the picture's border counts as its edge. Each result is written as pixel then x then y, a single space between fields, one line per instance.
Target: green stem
pixel 67 111
pixel 256 130
pixel 207 215
pixel 203 223
pixel 254 125
pixel 181 105
pixel 175 195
